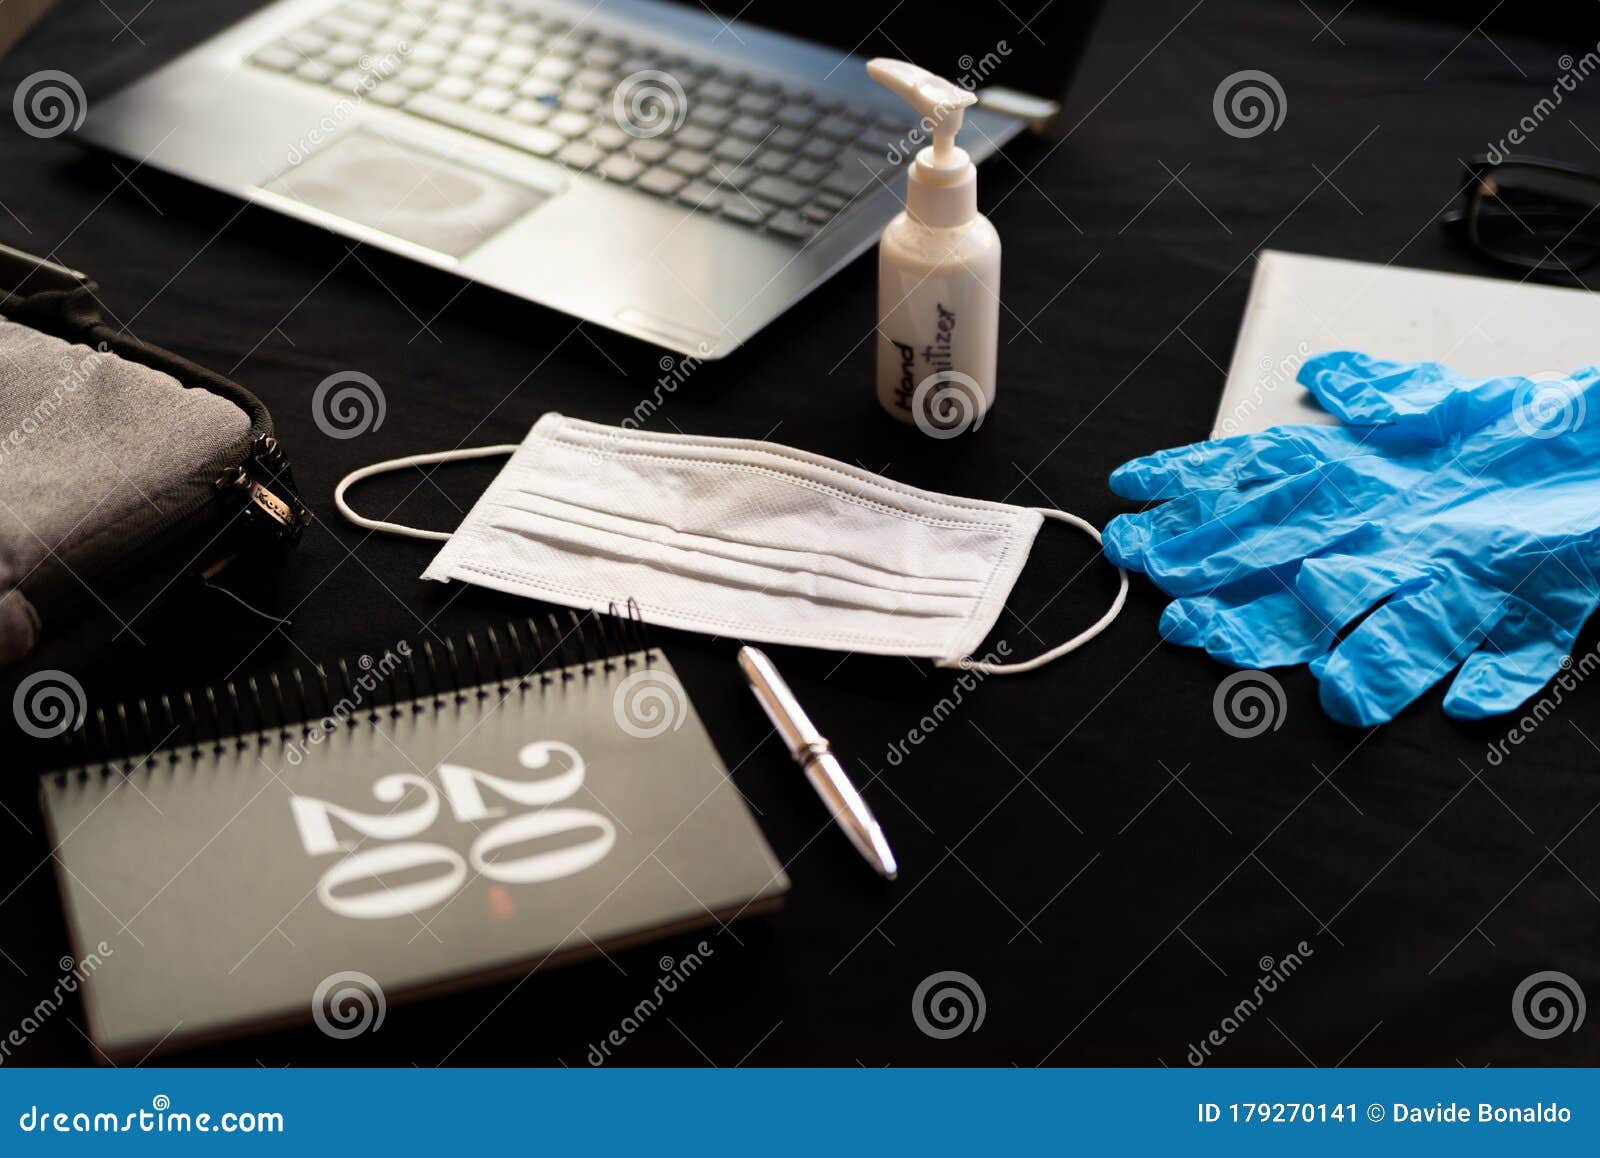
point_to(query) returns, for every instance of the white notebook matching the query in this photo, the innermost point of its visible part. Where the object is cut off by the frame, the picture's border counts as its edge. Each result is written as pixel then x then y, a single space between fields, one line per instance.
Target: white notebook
pixel 1301 305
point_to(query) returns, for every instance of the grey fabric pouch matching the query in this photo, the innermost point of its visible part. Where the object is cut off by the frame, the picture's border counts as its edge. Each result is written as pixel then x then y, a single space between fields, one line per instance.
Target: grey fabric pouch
pixel 119 463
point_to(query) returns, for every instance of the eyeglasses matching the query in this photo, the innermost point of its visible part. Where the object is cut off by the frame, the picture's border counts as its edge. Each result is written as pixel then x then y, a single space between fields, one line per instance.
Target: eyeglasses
pixel 1538 215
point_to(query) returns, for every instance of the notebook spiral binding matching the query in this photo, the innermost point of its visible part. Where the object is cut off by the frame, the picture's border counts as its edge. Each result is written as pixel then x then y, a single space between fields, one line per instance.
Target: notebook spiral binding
pixel 289 702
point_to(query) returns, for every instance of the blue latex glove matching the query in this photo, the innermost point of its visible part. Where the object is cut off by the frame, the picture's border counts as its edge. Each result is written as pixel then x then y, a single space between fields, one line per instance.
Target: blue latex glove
pixel 1462 513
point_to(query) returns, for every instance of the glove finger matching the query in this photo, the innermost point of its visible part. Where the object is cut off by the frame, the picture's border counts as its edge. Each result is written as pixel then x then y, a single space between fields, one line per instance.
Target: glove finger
pixel 1524 651
pixel 1129 539
pixel 1423 401
pixel 1230 462
pixel 1339 588
pixel 1275 524
pixel 1259 623
pixel 1402 649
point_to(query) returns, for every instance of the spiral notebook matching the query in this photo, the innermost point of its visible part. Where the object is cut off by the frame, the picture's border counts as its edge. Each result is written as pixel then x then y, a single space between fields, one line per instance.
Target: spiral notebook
pixel 319 847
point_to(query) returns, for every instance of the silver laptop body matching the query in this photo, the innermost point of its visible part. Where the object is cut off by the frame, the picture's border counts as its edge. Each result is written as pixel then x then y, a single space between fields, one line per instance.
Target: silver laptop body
pixel 644 165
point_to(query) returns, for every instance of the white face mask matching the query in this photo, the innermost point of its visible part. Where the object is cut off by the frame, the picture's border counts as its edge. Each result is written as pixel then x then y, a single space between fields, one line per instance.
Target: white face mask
pixel 750 540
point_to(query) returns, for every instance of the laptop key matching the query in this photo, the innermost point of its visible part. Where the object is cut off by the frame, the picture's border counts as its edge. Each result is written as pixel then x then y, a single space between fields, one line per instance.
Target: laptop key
pixel 780 189
pixel 808 172
pixel 580 100
pixel 531 112
pixel 742 208
pixel 718 92
pixel 342 55
pixel 492 100
pixel 662 182
pixel 620 169
pixel 478 45
pixel 533 139
pixel 518 56
pixel 786 139
pixel 499 76
pixel 773 160
pixel 595 80
pixel 538 86
pixel 734 149
pixel 454 88
pixel 797 116
pixel 389 93
pixel 699 195
pixel 277 57
pixel 305 41
pixel 689 162
pixel 817 214
pixel 580 155
pixel 791 224
pixel 650 149
pixel 757 104
pixel 733 176
pixel 416 76
pixel 695 137
pixel 314 71
pixel 610 138
pixel 427 53
pixel 569 124
pixel 554 68
pixel 837 127
pixel 712 116
pixel 753 128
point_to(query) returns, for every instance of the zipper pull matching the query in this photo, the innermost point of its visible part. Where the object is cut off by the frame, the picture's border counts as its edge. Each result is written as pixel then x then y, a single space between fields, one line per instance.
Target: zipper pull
pixel 283 514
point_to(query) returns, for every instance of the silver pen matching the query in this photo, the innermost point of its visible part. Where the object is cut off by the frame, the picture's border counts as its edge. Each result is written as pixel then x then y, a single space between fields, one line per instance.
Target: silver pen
pixel 811 751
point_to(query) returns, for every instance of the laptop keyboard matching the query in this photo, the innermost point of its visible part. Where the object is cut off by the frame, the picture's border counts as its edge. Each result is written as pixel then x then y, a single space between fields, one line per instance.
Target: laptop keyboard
pixel 773 157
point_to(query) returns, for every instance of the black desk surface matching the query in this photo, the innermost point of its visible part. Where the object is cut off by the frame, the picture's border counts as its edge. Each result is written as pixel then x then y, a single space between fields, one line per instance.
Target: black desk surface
pixel 1111 868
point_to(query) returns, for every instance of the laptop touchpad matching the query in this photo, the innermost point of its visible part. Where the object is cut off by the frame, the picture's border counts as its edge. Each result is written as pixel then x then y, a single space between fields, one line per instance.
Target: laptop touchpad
pixel 406 192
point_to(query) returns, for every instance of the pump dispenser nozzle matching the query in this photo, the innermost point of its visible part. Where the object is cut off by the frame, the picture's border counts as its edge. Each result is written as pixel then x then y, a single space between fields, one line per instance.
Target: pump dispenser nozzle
pixel 942 183
pixel 938 100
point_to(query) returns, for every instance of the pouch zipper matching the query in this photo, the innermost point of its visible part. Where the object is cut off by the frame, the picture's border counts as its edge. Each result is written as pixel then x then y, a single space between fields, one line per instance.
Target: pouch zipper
pixel 269 502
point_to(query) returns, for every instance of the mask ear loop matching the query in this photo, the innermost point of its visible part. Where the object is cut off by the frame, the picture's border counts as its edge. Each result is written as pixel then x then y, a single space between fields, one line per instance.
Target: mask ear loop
pixel 1077 641
pixel 394 464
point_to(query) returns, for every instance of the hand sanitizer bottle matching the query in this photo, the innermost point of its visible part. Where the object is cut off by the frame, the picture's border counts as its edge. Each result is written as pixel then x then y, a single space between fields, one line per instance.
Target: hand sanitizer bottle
pixel 938 272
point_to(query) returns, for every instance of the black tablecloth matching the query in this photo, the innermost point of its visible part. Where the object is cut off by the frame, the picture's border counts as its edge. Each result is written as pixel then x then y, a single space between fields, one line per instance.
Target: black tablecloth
pixel 1109 866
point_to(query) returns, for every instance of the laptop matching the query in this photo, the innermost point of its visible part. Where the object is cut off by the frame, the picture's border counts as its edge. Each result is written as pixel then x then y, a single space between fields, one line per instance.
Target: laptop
pixel 1301 305
pixel 669 170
